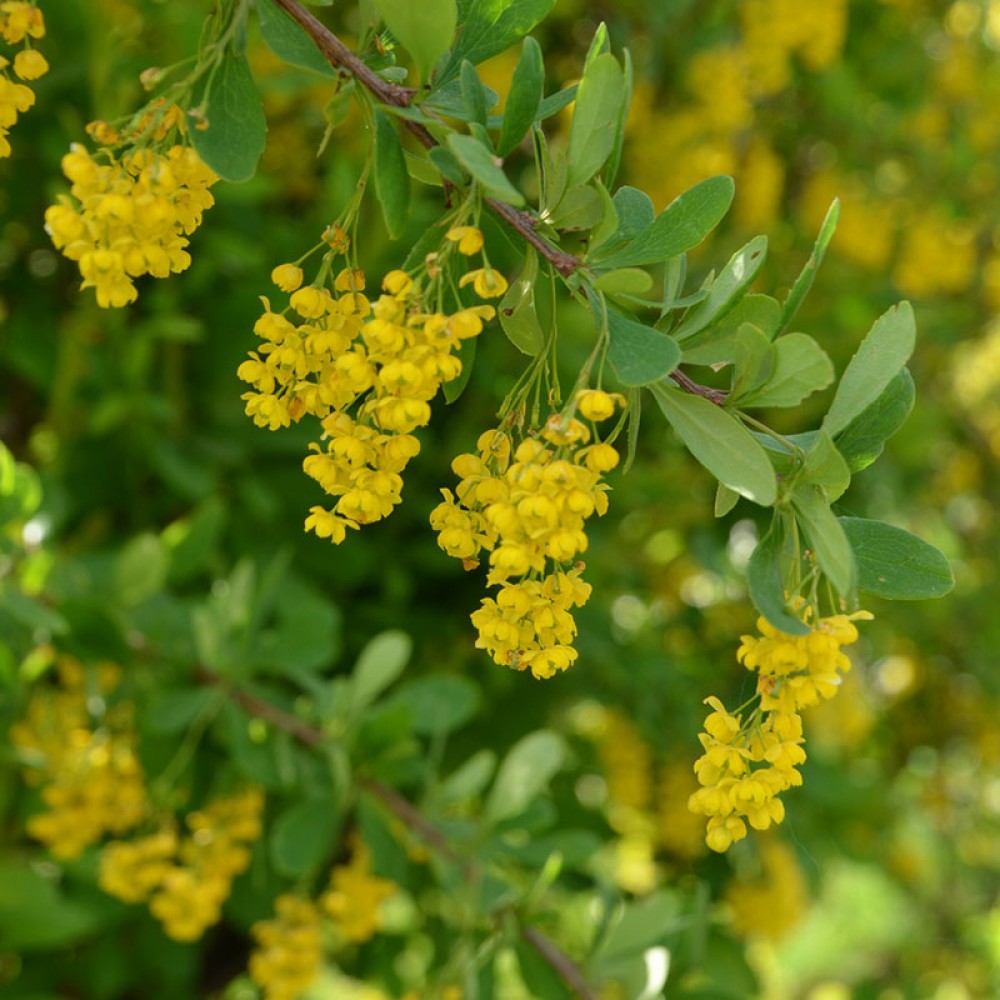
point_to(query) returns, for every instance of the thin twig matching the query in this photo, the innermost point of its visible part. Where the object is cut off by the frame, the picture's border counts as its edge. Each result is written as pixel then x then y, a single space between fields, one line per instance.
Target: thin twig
pixel 340 57
pixel 313 737
pixel 717 396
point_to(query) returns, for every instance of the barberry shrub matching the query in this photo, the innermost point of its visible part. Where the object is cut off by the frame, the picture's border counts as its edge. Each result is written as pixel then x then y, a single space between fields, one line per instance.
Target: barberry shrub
pixel 192 772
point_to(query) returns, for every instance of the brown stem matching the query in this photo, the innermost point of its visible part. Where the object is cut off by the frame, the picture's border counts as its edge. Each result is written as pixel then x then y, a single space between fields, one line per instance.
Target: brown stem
pixel 568 970
pixel 340 57
pixel 717 396
pixel 557 959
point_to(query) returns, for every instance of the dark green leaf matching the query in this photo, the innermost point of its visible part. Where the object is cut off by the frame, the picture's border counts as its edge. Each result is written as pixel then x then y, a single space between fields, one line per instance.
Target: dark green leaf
pixel 524 773
pixel 288 41
pixel 825 467
pixel 447 164
pixel 489 27
pixel 715 345
pixel 466 356
pixel 304 836
pixel 805 279
pixel 727 289
pixel 895 564
pixel 801 367
pixel 233 141
pixel 683 224
pixel 639 354
pixel 721 444
pixel 878 360
pixel 425 29
pixel 826 538
pixel 484 168
pixel 392 181
pixel 595 117
pixel 766 582
pixel 176 708
pixel 473 93
pixel 610 169
pixel 524 97
pixel 538 975
pixel 517 312
pixel 863 439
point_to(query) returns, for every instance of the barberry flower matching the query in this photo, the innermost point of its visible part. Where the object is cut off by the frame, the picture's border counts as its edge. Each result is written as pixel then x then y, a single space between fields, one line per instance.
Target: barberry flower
pixel 488 283
pixel 289 950
pixel 468 238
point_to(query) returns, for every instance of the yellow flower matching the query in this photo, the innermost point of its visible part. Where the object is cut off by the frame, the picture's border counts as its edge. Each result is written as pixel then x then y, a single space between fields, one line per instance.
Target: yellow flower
pixel 288 277
pixel 488 283
pixel 30 64
pixel 468 238
pixel 595 404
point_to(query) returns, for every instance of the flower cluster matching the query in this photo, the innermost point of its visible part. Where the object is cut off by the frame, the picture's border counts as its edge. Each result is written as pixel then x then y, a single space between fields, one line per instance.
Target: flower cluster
pixel 83 754
pixel 355 896
pixel 130 215
pixel 526 507
pixel 20 23
pixel 186 880
pixel 367 371
pixel 748 763
pixel 289 949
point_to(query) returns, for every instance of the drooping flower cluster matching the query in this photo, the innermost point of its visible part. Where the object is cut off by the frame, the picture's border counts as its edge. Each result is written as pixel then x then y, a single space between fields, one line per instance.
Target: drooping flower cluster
pixel 749 762
pixel 83 754
pixel 186 880
pixel 354 899
pixel 289 949
pixel 367 371
pixel 130 215
pixel 526 507
pixel 20 23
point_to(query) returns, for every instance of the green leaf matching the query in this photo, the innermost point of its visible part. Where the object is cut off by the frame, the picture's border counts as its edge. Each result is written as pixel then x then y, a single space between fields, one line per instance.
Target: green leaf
pixel 580 207
pixel 878 360
pixel 141 569
pixel 725 500
pixel 610 168
pixel 466 356
pixel 626 281
pixel 425 29
pixel 753 362
pixel 467 780
pixel 304 836
pixel 440 703
pixel 801 367
pixel 473 93
pixel 489 27
pixel 446 164
pixel 826 538
pixel 727 289
pixel 683 224
pixel 634 929
pixel 825 467
pixel 484 168
pixel 233 141
pixel 381 662
pixel 608 225
pixel 715 346
pixel 635 213
pixel 894 564
pixel 806 277
pixel 176 708
pixel 35 913
pixel 289 41
pixel 721 444
pixel 524 97
pixel 766 582
pixel 524 773
pixel 639 354
pixel 31 612
pixel 517 312
pixel 863 439
pixel 392 181
pixel 595 117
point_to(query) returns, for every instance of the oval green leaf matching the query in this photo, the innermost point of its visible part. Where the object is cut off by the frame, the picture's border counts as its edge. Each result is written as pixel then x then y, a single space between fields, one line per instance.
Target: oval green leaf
pixel 525 96
pixel 424 29
pixel 639 354
pixel 766 583
pixel 720 443
pixel 878 360
pixel 303 836
pixel 484 168
pixel 233 141
pixel 392 179
pixel 289 41
pixel 863 439
pixel 895 564
pixel 523 774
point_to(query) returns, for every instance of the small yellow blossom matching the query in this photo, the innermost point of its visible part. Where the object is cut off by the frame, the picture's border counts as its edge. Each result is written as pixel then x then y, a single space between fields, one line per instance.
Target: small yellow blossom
pixel 30 64
pixel 488 283
pixel 468 238
pixel 288 277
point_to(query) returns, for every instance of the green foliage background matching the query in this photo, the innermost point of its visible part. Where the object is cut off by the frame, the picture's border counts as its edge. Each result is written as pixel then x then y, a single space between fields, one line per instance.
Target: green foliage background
pixel 171 531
